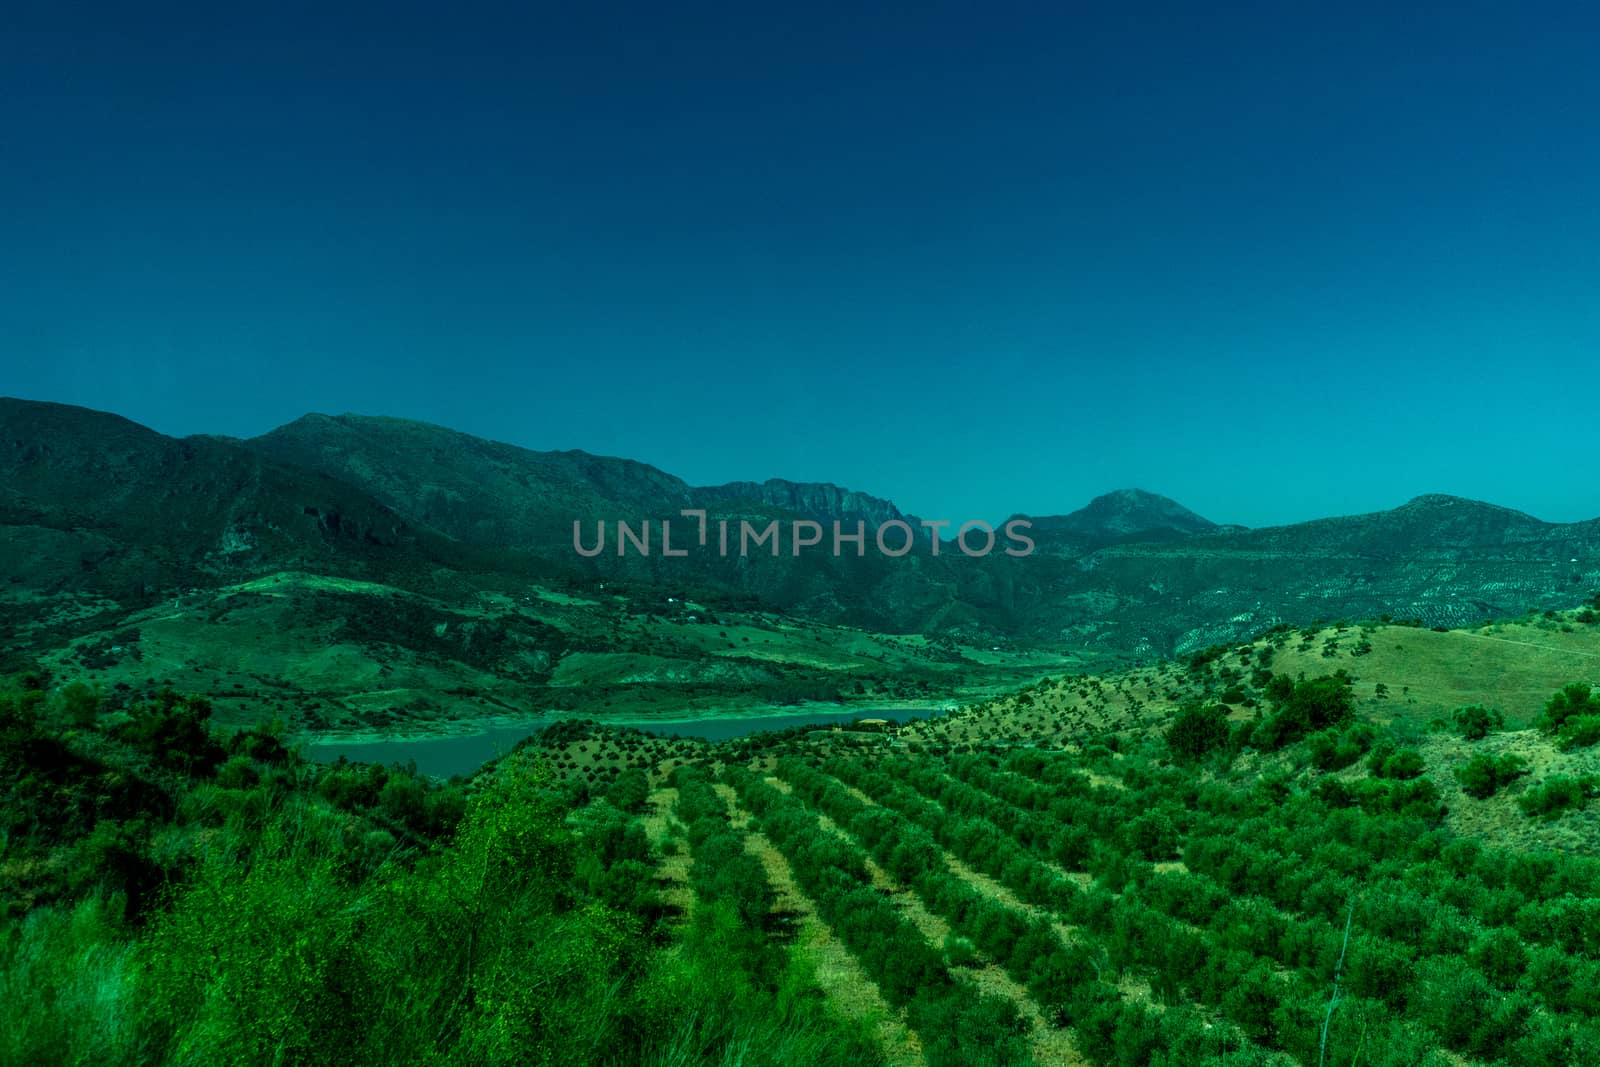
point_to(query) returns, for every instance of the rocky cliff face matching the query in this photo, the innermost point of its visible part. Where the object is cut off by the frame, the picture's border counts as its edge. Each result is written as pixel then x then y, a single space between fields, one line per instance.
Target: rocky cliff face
pixel 821 502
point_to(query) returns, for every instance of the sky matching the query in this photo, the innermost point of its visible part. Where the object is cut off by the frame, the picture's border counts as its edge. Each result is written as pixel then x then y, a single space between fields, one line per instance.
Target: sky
pixel 1275 261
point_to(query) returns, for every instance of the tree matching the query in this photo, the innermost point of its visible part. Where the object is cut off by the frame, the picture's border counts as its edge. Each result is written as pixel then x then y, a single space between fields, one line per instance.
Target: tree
pixel 629 791
pixel 1402 764
pixel 1557 793
pixel 1197 730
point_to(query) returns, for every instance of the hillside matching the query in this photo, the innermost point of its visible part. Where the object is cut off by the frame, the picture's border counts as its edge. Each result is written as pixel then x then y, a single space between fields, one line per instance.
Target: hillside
pixel 1443 560
pixel 1177 864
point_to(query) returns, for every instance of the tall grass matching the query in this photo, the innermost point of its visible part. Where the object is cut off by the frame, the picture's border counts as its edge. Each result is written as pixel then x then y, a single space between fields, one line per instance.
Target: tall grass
pixel 67 994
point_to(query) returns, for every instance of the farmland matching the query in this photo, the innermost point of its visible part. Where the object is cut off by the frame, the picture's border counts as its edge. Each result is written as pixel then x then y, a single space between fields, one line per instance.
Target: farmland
pixel 1196 862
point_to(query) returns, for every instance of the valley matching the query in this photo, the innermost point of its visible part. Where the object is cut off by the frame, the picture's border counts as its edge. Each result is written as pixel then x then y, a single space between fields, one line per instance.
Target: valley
pixel 350 735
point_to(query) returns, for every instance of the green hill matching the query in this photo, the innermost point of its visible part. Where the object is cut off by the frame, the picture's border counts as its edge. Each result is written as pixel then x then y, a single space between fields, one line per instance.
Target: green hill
pixel 1309 848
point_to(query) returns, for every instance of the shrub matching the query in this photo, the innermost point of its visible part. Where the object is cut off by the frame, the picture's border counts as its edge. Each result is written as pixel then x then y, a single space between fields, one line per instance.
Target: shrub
pixel 1484 776
pixel 81 703
pixel 175 732
pixel 629 791
pixel 1501 956
pixel 959 952
pixel 1301 707
pixel 1557 793
pixel 1334 750
pixel 1400 764
pixel 1580 731
pixel 1575 700
pixel 1476 721
pixel 1153 836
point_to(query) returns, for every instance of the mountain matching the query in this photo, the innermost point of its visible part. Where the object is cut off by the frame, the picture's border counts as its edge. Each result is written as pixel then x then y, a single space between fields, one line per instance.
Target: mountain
pixel 491 493
pixel 1444 560
pixel 1121 516
pixel 497 496
pixel 91 502
pixel 820 502
pixel 477 491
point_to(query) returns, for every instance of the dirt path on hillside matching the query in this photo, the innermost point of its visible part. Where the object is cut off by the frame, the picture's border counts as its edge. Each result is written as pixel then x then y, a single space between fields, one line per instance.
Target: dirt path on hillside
pixel 1530 644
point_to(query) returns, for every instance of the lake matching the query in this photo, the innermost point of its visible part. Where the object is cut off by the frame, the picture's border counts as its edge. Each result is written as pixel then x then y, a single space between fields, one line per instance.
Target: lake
pixel 463 754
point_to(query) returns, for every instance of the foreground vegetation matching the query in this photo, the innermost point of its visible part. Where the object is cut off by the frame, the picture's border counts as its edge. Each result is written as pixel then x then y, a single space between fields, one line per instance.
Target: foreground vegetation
pixel 174 898
pixel 1266 875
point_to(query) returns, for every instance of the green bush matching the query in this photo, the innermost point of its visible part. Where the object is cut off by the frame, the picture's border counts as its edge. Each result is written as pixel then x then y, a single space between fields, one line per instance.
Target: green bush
pixel 1475 721
pixel 1484 776
pixel 1567 715
pixel 1400 764
pixel 1153 836
pixel 959 952
pixel 1580 731
pixel 1557 794
pixel 80 703
pixel 1335 749
pixel 1302 707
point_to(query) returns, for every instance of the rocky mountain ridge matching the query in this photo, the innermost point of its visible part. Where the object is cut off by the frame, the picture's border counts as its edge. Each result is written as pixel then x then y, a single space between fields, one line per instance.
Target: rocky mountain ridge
pixel 89 500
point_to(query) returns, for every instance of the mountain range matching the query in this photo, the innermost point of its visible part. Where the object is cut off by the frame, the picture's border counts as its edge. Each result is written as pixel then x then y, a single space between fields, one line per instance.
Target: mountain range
pixel 91 502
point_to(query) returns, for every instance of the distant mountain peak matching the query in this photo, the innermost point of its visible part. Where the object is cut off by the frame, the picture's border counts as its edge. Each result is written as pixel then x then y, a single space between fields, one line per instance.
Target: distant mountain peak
pixel 1445 502
pixel 1440 500
pixel 1125 515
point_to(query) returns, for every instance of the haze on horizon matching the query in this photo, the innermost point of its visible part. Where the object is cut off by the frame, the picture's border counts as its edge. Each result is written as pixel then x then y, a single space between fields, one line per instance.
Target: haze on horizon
pixel 1274 265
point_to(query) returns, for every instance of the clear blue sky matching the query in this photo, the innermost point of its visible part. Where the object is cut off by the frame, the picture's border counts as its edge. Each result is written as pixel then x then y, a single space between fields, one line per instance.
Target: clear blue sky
pixel 978 258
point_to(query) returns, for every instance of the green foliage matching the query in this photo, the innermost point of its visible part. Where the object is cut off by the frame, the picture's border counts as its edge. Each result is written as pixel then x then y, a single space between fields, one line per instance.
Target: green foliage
pixel 1580 731
pixel 249 907
pixel 959 951
pixel 173 731
pixel 629 790
pixel 1484 776
pixel 1335 749
pixel 1573 716
pixel 1301 707
pixel 65 993
pixel 80 702
pixel 1197 731
pixel 1475 721
pixel 1558 794
pixel 1153 836
pixel 1401 764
